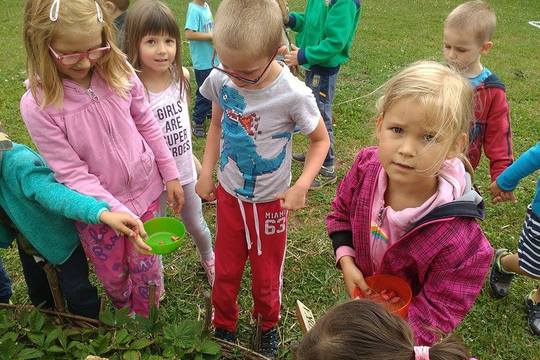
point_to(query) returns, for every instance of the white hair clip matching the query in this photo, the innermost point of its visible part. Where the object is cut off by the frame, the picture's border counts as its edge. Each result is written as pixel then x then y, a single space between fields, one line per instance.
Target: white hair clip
pixel 55 9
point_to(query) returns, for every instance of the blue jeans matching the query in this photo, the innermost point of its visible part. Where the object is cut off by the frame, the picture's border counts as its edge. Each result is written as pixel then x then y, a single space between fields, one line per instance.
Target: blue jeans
pixel 5 285
pixel 81 296
pixel 203 106
pixel 323 87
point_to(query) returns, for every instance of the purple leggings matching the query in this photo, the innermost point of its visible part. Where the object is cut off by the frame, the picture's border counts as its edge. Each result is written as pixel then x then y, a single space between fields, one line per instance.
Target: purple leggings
pixel 124 273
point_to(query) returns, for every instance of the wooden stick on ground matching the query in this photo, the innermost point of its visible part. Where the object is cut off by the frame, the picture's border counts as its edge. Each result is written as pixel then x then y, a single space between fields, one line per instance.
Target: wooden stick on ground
pixel 77 318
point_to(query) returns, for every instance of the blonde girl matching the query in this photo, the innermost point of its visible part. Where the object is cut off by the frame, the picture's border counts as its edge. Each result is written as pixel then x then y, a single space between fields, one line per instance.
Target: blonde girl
pixel 153 47
pixel 86 112
pixel 407 206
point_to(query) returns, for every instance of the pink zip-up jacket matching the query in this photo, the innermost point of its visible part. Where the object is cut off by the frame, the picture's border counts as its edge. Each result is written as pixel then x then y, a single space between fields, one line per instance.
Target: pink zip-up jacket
pixel 445 256
pixel 103 145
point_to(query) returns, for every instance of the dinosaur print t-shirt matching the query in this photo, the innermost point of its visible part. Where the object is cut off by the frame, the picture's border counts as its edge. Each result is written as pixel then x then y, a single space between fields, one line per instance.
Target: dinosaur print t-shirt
pixel 256 132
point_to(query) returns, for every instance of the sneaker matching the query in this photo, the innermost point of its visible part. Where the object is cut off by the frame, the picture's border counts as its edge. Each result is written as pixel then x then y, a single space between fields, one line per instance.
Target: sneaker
pixel 269 343
pixel 198 130
pixel 533 313
pixel 210 269
pixel 299 157
pixel 326 176
pixel 225 334
pixel 499 280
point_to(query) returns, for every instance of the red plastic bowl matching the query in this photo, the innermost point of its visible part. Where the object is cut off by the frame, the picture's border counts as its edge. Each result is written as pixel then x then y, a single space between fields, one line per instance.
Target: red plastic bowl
pixel 396 284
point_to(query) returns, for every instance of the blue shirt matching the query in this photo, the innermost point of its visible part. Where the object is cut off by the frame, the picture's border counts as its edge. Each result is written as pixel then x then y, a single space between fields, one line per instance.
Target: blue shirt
pixel 478 79
pixel 199 19
pixel 526 164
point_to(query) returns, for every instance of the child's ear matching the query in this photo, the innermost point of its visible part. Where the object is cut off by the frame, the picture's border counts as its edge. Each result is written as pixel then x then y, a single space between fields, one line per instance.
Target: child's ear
pixel 110 7
pixel 458 147
pixel 378 125
pixel 486 46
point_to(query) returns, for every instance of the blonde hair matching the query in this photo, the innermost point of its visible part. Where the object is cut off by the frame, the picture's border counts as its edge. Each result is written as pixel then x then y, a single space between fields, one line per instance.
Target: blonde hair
pixel 476 16
pixel 39 32
pixel 122 5
pixel 152 17
pixel 251 26
pixel 445 95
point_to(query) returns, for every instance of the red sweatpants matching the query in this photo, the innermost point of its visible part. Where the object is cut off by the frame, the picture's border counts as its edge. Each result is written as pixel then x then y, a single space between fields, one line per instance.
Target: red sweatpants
pixel 266 252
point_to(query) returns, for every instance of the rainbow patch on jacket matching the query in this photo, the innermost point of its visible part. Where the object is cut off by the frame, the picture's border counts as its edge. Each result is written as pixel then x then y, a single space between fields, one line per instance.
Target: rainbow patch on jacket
pixel 378 233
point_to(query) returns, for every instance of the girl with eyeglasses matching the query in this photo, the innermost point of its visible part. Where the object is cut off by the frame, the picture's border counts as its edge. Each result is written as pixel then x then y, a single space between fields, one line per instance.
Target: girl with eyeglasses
pixel 85 110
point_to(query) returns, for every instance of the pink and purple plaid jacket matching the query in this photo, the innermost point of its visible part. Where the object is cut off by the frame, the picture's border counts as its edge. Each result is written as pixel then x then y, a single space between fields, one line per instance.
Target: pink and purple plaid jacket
pixel 445 256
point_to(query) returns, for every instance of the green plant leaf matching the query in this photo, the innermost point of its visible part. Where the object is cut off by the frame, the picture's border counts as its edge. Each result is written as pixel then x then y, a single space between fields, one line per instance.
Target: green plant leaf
pixel 140 344
pixel 121 317
pixel 55 349
pixel 53 335
pixel 10 335
pixel 101 343
pixel 37 320
pixel 122 336
pixel 29 353
pixel 210 347
pixel 131 355
pixel 107 317
pixel 38 339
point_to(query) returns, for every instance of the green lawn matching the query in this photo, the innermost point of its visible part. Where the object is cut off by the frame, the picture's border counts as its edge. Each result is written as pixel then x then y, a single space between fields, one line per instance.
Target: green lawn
pixel 391 35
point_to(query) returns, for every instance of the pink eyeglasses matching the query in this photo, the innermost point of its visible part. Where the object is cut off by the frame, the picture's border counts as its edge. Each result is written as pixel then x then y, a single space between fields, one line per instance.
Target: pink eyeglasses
pixel 71 59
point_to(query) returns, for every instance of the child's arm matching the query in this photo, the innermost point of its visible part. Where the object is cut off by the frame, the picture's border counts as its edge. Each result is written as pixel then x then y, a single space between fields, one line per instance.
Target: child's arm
pixel 198 36
pixel 205 187
pixel 37 183
pixel 338 27
pixel 498 134
pixel 149 129
pixel 295 197
pixel 502 189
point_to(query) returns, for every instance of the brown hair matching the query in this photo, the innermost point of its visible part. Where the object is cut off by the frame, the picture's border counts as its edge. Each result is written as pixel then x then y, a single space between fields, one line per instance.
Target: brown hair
pixel 39 32
pixel 152 17
pixel 252 26
pixel 362 329
pixel 476 16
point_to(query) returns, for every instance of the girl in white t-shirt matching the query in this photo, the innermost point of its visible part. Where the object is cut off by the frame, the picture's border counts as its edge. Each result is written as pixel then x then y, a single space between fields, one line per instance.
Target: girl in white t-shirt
pixel 152 43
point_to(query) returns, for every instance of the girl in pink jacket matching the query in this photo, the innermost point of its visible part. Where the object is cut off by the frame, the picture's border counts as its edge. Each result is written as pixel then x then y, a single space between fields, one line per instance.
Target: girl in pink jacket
pixel 87 114
pixel 408 208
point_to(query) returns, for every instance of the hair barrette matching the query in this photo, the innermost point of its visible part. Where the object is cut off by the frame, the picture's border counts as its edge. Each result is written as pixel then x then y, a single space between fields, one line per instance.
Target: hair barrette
pixel 421 353
pixel 55 10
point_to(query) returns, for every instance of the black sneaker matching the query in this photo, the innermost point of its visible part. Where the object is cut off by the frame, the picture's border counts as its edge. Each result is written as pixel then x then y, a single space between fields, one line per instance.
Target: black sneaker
pixel 299 157
pixel 198 130
pixel 269 343
pixel 499 281
pixel 225 334
pixel 326 176
pixel 533 314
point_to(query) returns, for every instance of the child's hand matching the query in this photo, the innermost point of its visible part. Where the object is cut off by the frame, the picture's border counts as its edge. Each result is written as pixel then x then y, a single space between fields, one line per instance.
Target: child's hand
pixel 124 223
pixel 291 58
pixel 352 276
pixel 139 238
pixel 498 195
pixel 294 198
pixel 175 195
pixel 206 188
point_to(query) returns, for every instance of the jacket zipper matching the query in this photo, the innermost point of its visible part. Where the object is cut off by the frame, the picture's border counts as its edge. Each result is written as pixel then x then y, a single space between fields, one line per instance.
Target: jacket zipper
pixel 95 99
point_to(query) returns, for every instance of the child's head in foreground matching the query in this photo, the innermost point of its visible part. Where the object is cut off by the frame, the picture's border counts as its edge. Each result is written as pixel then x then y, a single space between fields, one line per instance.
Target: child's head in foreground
pixel 468 30
pixel 247 36
pixel 67 39
pixel 152 39
pixel 362 329
pixel 424 115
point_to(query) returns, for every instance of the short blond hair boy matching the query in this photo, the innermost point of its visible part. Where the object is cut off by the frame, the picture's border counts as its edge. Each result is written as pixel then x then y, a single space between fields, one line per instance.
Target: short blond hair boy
pixel 468 31
pixel 256 104
pixel 476 16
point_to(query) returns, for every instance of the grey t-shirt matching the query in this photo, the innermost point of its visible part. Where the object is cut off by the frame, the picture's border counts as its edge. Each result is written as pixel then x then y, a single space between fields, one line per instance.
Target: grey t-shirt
pixel 256 132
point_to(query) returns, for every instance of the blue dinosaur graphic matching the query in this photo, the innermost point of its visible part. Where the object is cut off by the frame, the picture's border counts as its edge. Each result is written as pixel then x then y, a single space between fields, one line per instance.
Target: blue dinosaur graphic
pixel 238 132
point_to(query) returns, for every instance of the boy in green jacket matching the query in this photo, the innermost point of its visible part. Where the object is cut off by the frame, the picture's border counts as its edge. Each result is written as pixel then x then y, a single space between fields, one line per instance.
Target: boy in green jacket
pixel 326 31
pixel 36 210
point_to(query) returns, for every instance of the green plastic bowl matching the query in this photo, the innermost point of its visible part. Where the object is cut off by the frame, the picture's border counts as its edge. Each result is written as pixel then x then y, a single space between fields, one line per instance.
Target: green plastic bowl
pixel 160 231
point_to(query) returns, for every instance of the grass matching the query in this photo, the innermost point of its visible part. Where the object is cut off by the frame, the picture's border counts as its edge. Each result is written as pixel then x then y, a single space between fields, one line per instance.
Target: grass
pixel 391 35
